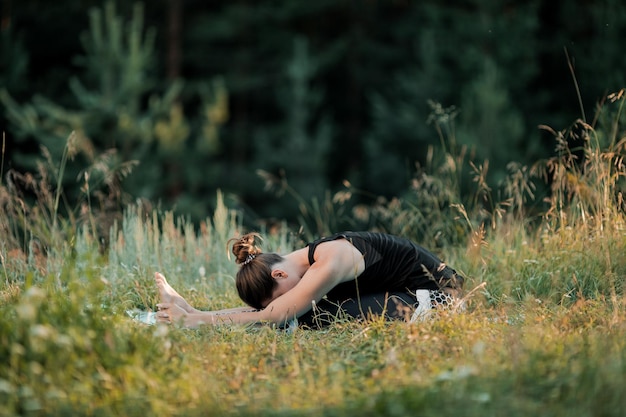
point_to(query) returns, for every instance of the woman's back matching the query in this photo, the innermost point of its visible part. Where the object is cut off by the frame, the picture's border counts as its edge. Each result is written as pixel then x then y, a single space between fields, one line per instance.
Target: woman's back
pixel 392 263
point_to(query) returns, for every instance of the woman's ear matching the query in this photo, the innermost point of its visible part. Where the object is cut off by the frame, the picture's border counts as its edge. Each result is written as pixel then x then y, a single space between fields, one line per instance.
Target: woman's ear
pixel 278 273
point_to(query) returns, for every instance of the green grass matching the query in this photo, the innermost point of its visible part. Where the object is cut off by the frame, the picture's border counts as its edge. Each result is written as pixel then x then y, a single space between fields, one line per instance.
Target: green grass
pixel 536 341
pixel 545 336
pixel 67 355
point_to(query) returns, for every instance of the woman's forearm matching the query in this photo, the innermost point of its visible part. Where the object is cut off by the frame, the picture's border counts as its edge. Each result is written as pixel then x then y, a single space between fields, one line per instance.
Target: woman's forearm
pixel 240 315
pixel 233 310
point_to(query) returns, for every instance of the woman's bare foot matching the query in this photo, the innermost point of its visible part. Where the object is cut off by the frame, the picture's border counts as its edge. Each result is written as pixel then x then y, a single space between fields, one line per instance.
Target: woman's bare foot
pixel 169 294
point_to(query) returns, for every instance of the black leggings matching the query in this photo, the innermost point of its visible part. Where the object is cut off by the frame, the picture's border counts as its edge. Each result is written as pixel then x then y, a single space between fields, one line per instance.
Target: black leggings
pixel 392 305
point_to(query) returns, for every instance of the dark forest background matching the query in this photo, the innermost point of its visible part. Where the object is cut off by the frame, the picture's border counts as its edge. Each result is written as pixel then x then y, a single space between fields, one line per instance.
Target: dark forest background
pixel 171 100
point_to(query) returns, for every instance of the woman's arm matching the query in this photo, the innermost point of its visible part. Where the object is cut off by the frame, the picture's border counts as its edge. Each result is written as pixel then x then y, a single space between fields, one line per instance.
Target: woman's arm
pixel 335 262
pixel 293 303
pixel 245 309
pixel 173 313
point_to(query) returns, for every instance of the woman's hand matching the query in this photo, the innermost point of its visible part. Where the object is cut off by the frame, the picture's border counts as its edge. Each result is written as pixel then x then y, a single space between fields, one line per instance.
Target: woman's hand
pixel 171 313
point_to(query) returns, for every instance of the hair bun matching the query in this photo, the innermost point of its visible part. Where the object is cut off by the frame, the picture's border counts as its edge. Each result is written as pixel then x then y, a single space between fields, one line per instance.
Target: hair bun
pixel 244 248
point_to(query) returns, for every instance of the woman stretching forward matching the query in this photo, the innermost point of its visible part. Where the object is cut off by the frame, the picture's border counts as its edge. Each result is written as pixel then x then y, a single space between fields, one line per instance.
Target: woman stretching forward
pixel 349 274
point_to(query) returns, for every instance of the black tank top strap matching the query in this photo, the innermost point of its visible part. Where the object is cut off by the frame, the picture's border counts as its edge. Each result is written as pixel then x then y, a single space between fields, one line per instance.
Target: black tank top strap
pixel 313 245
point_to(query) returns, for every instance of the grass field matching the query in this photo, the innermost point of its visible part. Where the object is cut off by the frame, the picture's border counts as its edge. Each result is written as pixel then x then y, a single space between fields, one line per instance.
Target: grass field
pixel 545 336
pixel 69 349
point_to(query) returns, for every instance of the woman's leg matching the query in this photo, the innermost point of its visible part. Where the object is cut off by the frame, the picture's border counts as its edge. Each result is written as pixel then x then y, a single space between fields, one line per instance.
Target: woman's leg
pixel 393 306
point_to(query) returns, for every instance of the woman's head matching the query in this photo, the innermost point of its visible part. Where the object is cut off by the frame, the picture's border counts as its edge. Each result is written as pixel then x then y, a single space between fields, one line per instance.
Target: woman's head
pixel 254 281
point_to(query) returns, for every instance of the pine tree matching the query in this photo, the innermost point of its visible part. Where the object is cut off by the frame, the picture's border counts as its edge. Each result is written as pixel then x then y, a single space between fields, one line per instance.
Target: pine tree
pixel 117 112
pixel 462 57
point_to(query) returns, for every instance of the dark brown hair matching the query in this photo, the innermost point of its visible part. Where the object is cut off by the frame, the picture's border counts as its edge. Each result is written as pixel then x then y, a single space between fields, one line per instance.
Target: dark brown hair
pixel 254 279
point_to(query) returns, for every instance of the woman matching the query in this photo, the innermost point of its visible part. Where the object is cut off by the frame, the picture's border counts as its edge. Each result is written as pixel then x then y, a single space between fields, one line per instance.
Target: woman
pixel 349 274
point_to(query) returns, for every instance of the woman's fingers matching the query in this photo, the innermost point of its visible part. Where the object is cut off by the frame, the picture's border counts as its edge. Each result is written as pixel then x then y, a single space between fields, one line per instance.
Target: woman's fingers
pixel 169 313
pixel 163 315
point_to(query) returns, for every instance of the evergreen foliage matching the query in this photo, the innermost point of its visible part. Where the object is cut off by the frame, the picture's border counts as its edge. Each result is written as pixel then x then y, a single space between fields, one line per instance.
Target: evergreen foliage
pixel 504 66
pixel 119 120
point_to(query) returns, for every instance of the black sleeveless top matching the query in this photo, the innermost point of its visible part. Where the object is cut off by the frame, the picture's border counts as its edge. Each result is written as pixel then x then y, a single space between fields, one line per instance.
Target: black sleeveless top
pixel 392 264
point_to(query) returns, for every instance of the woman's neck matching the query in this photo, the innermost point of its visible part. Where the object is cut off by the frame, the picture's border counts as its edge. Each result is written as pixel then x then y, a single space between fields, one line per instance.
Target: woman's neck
pixel 299 259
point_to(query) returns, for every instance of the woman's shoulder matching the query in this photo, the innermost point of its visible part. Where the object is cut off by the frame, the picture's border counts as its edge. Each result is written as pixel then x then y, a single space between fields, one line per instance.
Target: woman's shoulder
pixel 339 256
pixel 335 249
